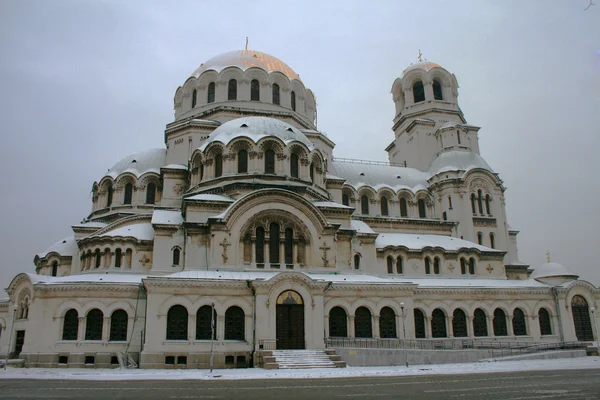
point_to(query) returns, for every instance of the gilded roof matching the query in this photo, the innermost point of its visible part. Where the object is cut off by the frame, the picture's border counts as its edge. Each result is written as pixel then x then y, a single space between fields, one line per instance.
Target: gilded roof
pixel 245 59
pixel 425 65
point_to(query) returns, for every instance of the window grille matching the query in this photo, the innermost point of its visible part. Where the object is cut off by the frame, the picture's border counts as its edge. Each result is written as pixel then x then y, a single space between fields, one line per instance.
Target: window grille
pixel 419 324
pixel 234 324
pixel 70 325
pixel 338 322
pixel 499 323
pixel 545 324
pixel 459 323
pixel 204 323
pixel 387 323
pixel 480 323
pixel 438 324
pixel 177 323
pixel 118 326
pixel 519 324
pixel 93 325
pixel 363 323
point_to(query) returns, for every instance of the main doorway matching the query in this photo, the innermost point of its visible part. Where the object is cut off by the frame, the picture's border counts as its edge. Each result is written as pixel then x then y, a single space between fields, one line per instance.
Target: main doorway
pixel 581 319
pixel 290 321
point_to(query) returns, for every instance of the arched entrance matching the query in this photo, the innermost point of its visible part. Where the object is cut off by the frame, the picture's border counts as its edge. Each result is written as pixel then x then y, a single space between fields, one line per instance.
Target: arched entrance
pixel 581 319
pixel 290 321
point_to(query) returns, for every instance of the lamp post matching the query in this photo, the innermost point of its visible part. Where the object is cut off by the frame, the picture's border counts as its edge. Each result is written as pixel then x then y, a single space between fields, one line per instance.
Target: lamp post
pixel 404 335
pixel 593 309
pixel 10 336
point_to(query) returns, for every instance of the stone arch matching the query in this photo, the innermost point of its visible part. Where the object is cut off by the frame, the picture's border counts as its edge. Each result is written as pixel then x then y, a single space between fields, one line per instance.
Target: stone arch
pixel 120 305
pixel 69 305
pixel 342 303
pixel 171 301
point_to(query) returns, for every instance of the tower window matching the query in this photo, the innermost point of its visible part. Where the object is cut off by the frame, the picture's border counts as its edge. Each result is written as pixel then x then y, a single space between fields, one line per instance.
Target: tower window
pixel 269 162
pixel 479 238
pixel 345 199
pixel 384 206
pixel 232 90
pixel 473 203
pixel 418 92
pixel 294 165
pixel 403 208
pixel 242 161
pixel 109 196
pixel 275 94
pixel 274 243
pixel 210 98
pixel 118 255
pixel 422 209
pixel 293 99
pixel 399 265
pixel 194 96
pixel 364 205
pixel 492 241
pixel 128 193
pixel 151 193
pixel 254 90
pixel 458 136
pixel 427 265
pixel 176 256
pixel 260 245
pixel 437 91
pixel 487 204
pixel 312 172
pixel 480 201
pixel 357 261
pixel 218 165
pixel 450 202
pixel 54 268
pixel 390 264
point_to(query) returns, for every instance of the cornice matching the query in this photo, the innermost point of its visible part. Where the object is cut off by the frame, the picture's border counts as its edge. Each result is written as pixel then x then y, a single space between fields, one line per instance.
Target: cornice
pixel 472 292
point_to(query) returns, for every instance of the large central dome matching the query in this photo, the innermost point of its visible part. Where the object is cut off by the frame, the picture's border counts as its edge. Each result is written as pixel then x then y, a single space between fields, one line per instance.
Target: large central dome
pixel 245 59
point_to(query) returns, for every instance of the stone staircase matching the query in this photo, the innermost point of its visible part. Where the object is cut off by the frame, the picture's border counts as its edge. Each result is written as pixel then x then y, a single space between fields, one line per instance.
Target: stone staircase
pixel 297 359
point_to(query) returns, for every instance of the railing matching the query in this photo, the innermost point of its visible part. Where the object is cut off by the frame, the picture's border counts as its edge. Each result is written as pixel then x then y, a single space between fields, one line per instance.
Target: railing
pixel 267 344
pixel 368 162
pixel 495 348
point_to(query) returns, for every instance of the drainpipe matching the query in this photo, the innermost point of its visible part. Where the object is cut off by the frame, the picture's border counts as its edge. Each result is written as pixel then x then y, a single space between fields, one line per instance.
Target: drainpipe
pixel 556 305
pixel 184 244
pixel 249 283
pixel 329 286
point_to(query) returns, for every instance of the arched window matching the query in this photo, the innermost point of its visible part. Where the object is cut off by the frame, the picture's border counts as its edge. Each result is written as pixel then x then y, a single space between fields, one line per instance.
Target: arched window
pixel 269 161
pixel 427 265
pixel 487 204
pixel 274 243
pixel 458 136
pixel 480 201
pixel 403 208
pixel 356 261
pixel 338 322
pixel 235 324
pixel 399 265
pixel 390 264
pixel 480 238
pixel 499 323
pixel 118 256
pixel 98 258
pixel 118 326
pixel 437 90
pixel 436 266
pixel 260 245
pixel 294 165
pixel 210 98
pixel 254 90
pixel 109 196
pixel 450 202
pixel 275 94
pixel 128 194
pixel 201 172
pixel 289 246
pixel 581 319
pixel 218 165
pixel 70 325
pixel 176 256
pixel 472 266
pixel 473 199
pixel 384 206
pixel 177 323
pixel 387 323
pixel 364 205
pixel 128 258
pixel 93 325
pixel 205 326
pixel 422 209
pixel 438 324
pixel 363 323
pixel 492 241
pixel 242 161
pixel 293 101
pixel 312 172
pixel 54 268
pixel 545 324
pixel 232 90
pixel 345 199
pixel 418 92
pixel 419 324
pixel 194 96
pixel 151 193
pixel 518 323
pixel 459 323
pixel 480 323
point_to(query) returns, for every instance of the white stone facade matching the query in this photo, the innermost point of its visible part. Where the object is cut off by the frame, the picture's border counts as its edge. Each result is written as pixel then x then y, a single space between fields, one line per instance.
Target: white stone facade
pixel 246 215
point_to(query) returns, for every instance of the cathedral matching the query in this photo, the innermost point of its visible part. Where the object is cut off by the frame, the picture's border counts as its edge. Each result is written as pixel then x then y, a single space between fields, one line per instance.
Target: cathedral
pixel 245 232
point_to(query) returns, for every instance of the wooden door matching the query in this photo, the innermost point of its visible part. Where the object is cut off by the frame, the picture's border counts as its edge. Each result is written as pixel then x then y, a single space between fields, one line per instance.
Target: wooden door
pixel 290 326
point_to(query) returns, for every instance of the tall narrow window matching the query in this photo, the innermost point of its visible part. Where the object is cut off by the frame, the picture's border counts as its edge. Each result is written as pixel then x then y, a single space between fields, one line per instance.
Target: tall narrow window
pixel 118 256
pixel 345 199
pixel 419 324
pixel 427 265
pixel 210 98
pixel 480 323
pixel 260 245
pixel 118 326
pixel 459 323
pixel 418 92
pixel 293 100
pixel 235 324
pixel 390 264
pixel 218 165
pixel 109 196
pixel 338 322
pixel 294 165
pixel 438 324
pixel 289 246
pixel 363 323
pixel 436 266
pixel 312 172
pixel 473 199
pixel 254 90
pixel 176 256
pixel 364 205
pixel 458 136
pixel 269 161
pixel 54 268
pixel 403 208
pixel 177 323
pixel 151 193
pixel 194 96
pixel 357 261
pixel 450 202
pixel 463 266
pixel 275 94
pixel 487 204
pixel 384 206
pixel 545 325
pixel 387 323
pixel 480 201
pixel 499 323
pixel 399 265
pixel 437 91
pixel 206 323
pixel 479 238
pixel 472 266
pixel 274 243
pixel 492 241
pixel 242 161
pixel 70 325
pixel 93 325
pixel 422 209
pixel 98 258
pixel 128 194
pixel 518 322
pixel 232 90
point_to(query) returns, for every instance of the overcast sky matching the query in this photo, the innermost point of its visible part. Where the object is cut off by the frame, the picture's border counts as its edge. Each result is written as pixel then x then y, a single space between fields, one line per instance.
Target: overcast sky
pixel 85 83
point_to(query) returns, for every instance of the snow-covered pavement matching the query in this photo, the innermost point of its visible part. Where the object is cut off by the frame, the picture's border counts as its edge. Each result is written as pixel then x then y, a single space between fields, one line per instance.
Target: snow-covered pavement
pixel 257 373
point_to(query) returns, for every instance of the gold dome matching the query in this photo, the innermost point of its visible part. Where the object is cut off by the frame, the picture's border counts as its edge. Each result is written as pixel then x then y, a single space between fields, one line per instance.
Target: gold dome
pixel 425 65
pixel 245 59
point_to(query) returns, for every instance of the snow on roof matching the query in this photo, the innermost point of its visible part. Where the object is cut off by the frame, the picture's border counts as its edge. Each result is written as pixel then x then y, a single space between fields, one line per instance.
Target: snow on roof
pixel 357 175
pixel 140 231
pixel 87 278
pixel 360 226
pixel 210 197
pixel 64 247
pixel 175 166
pixel 166 217
pixel 255 129
pixel 91 224
pixel 551 269
pixel 329 204
pixel 457 160
pixel 226 275
pixel 138 164
pixel 418 242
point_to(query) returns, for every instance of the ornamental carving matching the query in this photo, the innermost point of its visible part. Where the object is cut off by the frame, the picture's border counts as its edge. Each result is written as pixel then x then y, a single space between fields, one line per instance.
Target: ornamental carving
pixel 477 184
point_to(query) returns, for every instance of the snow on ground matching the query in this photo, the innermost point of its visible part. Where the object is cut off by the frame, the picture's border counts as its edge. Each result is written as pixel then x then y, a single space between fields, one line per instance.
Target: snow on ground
pixel 258 373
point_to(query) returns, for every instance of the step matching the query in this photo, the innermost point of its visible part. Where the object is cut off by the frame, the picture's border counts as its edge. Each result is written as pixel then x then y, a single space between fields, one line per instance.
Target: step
pixel 303 359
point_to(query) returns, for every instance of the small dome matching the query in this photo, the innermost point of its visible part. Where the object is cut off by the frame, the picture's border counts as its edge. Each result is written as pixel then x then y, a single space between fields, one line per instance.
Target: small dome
pixel 64 247
pixel 552 269
pixel 245 59
pixel 256 128
pixel 457 160
pixel 138 164
pixel 424 65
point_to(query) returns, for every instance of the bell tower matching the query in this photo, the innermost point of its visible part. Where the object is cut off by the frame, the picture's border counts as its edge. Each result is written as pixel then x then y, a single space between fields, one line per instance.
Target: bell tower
pixel 428 119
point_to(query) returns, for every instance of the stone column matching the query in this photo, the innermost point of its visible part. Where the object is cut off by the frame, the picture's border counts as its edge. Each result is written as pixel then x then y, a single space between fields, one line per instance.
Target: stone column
pixel 428 327
pixel 106 329
pixel 253 244
pixel 533 327
pixel 449 329
pixel 220 327
pixel 350 326
pixel 376 327
pixel 281 253
pixel 509 326
pixel 326 319
pixel 81 329
pixel 191 333
pixel 470 327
